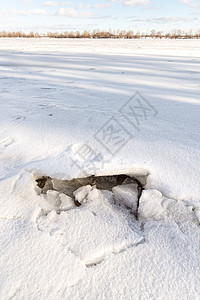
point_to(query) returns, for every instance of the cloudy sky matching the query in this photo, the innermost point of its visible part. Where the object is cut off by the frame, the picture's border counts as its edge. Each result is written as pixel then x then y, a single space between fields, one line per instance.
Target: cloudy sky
pixel 136 15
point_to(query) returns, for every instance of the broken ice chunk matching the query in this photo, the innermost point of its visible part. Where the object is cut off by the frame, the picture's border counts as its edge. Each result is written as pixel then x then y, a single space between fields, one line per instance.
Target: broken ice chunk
pixel 82 193
pixel 49 201
pixel 66 202
pixel 151 205
pixel 95 194
pixel 126 195
pixel 53 198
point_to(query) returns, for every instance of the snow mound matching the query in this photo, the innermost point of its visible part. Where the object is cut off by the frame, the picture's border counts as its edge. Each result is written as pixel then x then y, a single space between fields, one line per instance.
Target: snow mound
pixel 82 193
pixel 153 205
pixel 94 230
pixel 55 200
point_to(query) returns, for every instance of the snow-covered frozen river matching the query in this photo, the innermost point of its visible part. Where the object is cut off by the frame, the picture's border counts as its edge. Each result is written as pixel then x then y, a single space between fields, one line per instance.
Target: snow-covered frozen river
pixel 72 108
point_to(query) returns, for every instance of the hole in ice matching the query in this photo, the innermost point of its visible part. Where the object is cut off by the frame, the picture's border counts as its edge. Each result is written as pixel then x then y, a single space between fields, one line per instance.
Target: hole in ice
pixel 65 194
pixel 101 225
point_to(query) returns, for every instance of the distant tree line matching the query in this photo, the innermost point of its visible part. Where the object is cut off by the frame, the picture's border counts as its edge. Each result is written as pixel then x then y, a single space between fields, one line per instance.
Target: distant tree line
pixel 98 34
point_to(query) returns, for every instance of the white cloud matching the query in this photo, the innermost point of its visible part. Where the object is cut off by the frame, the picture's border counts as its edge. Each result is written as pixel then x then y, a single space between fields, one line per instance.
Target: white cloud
pixel 191 3
pixel 102 17
pixel 102 5
pixel 25 12
pixel 164 20
pixel 26 1
pixel 55 3
pixel 81 5
pixel 172 20
pixel 143 20
pixel 185 1
pixel 50 3
pixel 54 27
pixel 135 2
pixel 72 13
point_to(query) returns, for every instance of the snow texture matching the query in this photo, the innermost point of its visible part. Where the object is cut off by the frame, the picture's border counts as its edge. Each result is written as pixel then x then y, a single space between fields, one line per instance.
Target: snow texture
pixel 59 99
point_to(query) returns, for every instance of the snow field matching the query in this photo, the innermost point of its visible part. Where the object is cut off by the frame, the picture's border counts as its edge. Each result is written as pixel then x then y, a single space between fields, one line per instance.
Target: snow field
pixel 57 98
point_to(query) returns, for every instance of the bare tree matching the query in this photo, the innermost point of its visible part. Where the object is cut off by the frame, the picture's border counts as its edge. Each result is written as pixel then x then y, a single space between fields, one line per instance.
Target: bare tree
pixel 96 33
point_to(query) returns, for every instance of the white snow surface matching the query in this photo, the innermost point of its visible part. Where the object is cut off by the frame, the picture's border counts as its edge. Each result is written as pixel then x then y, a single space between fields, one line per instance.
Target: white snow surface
pixel 60 98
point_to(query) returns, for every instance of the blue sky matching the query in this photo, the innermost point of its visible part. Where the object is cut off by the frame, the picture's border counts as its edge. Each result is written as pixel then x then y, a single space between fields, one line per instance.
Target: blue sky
pixel 136 15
